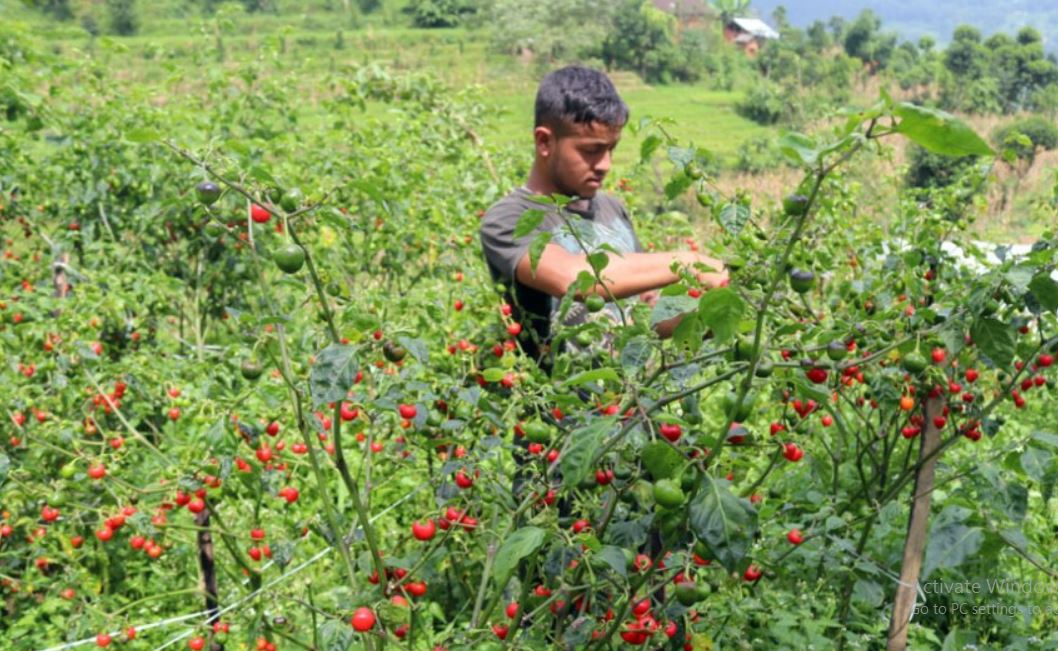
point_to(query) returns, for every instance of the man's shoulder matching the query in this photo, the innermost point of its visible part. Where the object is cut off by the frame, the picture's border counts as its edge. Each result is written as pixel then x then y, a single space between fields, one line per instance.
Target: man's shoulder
pixel 513 204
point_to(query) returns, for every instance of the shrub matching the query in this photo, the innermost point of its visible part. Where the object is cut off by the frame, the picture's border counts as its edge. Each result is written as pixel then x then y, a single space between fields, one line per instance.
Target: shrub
pixel 123 18
pixel 763 104
pixel 1039 133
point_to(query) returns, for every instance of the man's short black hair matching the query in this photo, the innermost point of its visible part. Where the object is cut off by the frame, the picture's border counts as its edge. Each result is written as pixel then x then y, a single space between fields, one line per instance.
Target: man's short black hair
pixel 578 95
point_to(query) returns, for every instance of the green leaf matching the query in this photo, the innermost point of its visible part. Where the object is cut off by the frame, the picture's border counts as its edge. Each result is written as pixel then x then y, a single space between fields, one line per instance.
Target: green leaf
pixel 733 217
pixel 142 135
pixel 1036 462
pixel 598 261
pixel 335 635
pixel 680 156
pixel 720 310
pixel 594 375
pixel 670 306
pixel 799 149
pixel 959 639
pixel 677 185
pixel 688 335
pixel 1046 438
pixel 417 348
pixel 661 459
pixel 649 145
pixel 529 222
pixel 1045 289
pixel 536 249
pixel 995 339
pixel 615 558
pixel 581 447
pixel 951 543
pixel 725 523
pixel 515 547
pixel 5 465
pixel 333 373
pixel 939 132
pixel 493 374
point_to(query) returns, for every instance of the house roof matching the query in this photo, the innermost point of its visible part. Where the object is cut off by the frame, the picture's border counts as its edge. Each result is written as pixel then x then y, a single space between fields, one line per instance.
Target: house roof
pixel 755 27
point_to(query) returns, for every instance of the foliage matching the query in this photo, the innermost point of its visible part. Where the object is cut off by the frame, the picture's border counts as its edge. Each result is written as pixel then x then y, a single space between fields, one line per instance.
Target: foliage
pixel 1027 137
pixel 541 28
pixel 152 334
pixel 441 13
pixel 764 104
pixel 122 17
pixel 643 38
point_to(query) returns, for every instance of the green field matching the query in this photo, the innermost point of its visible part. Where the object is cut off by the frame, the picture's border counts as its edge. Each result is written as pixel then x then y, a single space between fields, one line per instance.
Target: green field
pixel 306 43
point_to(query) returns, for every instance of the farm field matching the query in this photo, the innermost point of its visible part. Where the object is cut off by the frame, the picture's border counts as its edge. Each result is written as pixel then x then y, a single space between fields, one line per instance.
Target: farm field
pixel 261 392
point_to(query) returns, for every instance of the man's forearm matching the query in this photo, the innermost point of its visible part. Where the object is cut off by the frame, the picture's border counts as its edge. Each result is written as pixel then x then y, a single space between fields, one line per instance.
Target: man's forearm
pixel 635 273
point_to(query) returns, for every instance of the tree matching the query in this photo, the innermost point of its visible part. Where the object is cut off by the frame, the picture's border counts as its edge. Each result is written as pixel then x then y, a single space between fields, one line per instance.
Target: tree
pixel 440 13
pixel 59 9
pixel 643 39
pixel 122 17
pixel 864 40
pixel 728 9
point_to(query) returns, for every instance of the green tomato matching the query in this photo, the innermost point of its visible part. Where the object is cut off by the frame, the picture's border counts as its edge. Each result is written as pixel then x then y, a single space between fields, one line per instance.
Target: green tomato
pixel 594 303
pixel 291 200
pixel 207 192
pixel 251 369
pixel 795 205
pixel 289 258
pixel 687 593
pixel 537 431
pixel 914 362
pixel 668 494
pixel 837 351
pixel 802 280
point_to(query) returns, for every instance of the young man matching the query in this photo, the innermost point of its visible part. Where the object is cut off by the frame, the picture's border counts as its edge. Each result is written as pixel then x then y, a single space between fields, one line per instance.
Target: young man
pixel 579 118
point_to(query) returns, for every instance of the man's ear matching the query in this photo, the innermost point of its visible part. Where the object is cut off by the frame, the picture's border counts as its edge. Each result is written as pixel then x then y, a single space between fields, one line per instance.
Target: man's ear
pixel 544 139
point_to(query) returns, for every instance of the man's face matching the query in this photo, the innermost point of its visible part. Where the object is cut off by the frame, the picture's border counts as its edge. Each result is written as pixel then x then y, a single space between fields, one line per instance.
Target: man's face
pixel 579 156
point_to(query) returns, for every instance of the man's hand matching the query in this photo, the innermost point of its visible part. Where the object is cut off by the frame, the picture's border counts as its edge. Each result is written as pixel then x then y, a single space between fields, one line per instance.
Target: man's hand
pixel 711 279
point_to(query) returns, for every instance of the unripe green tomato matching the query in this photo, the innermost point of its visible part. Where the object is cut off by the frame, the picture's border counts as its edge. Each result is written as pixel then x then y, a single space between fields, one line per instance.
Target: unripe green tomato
pixel 251 369
pixel 837 351
pixel 289 258
pixel 594 302
pixel 914 363
pixel 537 431
pixel 291 200
pixel 668 494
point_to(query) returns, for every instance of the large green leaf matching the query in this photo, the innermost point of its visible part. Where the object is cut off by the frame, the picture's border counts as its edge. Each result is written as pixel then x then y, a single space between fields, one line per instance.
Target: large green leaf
pixel 529 222
pixel 799 149
pixel 586 377
pixel 333 373
pixel 720 310
pixel 515 547
pixel 995 339
pixel 1045 289
pixel 939 132
pixel 581 448
pixel 951 542
pixel 335 635
pixel 733 217
pixel 670 306
pixel 724 522
pixel 661 459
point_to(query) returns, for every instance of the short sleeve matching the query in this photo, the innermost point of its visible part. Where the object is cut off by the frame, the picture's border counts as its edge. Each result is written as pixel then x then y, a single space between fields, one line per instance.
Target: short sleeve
pixel 502 250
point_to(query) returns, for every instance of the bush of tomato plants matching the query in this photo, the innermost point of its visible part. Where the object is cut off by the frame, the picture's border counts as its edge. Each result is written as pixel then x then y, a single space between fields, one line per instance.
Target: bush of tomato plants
pixel 259 392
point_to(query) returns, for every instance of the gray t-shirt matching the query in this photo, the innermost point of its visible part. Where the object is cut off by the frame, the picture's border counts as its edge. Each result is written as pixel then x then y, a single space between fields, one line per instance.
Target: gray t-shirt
pixel 600 220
